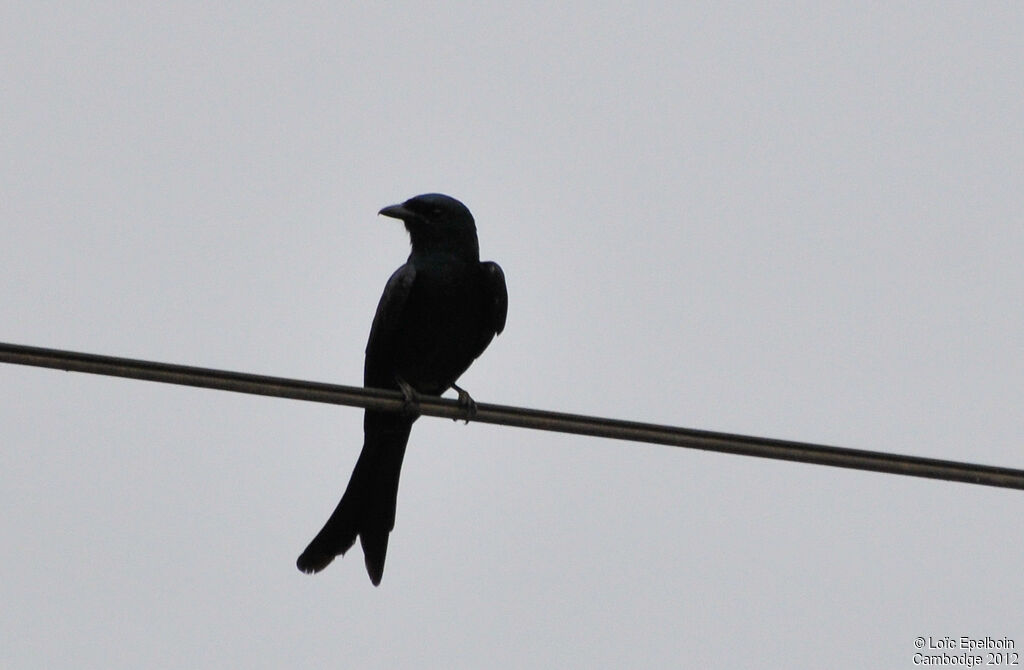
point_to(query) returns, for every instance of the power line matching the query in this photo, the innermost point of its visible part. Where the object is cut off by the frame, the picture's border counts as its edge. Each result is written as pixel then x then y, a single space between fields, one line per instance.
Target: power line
pixel 356 396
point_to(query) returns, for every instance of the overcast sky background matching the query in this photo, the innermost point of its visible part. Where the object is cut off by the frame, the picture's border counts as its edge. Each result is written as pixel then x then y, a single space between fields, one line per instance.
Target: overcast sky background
pixel 800 221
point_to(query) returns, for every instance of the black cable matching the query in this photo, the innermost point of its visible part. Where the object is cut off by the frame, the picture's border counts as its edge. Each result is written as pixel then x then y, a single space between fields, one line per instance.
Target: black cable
pixel 357 396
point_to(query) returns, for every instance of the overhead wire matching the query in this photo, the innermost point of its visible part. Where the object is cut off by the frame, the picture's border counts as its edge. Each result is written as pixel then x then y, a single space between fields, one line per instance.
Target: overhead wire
pixel 387 400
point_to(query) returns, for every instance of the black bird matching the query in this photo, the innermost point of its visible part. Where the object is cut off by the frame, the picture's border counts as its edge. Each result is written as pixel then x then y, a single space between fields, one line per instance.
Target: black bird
pixel 438 312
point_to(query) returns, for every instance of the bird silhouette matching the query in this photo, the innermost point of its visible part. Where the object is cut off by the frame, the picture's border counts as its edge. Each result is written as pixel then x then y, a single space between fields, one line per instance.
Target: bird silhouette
pixel 438 313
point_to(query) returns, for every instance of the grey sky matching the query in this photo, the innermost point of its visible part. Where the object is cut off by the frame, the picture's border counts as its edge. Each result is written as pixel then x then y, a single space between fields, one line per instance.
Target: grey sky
pixel 802 221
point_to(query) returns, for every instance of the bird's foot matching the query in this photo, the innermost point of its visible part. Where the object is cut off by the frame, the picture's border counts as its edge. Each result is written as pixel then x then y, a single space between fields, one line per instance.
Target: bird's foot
pixel 466 402
pixel 410 400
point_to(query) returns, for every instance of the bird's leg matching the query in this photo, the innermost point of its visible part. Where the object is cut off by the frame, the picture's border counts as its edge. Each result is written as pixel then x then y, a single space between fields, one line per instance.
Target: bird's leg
pixel 466 402
pixel 411 400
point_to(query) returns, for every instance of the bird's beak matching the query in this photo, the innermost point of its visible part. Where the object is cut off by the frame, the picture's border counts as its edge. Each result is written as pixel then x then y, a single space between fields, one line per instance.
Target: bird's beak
pixel 397 212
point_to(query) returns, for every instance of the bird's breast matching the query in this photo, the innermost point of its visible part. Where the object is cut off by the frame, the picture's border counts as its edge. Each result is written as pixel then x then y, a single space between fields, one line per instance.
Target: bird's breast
pixel 439 330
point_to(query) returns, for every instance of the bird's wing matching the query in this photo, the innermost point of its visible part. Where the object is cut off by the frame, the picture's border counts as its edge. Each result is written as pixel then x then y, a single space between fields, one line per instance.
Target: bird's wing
pixel 497 295
pixel 378 371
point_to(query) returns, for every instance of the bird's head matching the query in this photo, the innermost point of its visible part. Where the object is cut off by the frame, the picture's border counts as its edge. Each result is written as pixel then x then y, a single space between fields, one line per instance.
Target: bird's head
pixel 437 223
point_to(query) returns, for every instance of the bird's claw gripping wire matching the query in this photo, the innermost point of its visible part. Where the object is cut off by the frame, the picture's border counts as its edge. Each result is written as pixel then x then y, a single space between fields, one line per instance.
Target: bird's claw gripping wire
pixel 466 402
pixel 410 398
